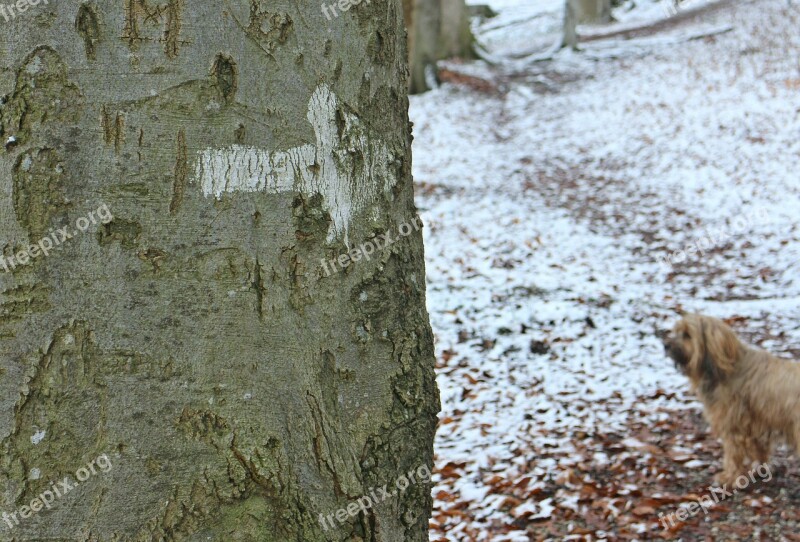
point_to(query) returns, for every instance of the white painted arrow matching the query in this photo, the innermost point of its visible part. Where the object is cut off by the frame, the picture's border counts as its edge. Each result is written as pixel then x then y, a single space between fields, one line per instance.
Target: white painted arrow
pixel 349 169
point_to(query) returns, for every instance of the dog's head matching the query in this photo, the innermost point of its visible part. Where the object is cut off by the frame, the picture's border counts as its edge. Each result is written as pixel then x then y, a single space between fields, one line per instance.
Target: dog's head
pixel 703 348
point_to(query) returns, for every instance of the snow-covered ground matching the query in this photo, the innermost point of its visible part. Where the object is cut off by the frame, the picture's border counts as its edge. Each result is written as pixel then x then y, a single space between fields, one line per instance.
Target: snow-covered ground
pixel 550 202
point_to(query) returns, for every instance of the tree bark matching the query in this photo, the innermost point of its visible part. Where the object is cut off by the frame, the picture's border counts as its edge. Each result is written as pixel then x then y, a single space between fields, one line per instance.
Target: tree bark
pixel 456 35
pixel 241 388
pixel 583 11
pixel 594 11
pixel 437 29
pixel 570 32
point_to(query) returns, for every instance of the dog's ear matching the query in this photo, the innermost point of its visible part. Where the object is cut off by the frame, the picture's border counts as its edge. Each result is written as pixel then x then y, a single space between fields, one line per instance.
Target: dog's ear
pixel 721 348
pixel 690 329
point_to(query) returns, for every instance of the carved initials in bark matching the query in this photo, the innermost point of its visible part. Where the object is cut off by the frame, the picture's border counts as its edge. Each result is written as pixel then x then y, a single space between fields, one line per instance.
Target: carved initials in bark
pixel 113 129
pixel 170 13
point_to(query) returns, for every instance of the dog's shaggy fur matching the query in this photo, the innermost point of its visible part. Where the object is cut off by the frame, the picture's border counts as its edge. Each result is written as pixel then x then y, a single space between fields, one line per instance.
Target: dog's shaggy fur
pixel 751 398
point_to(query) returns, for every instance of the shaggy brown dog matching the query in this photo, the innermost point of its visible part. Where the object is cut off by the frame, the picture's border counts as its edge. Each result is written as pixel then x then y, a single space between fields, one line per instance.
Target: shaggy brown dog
pixel 751 398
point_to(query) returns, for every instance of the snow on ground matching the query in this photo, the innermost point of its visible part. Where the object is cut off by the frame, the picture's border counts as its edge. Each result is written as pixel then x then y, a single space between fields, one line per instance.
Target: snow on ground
pixel 550 205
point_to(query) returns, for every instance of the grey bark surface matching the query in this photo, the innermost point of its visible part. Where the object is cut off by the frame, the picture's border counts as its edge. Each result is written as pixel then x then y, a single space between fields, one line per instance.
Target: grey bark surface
pixel 423 21
pixel 593 11
pixel 456 35
pixel 237 388
pixel 437 29
pixel 583 11
pixel 570 31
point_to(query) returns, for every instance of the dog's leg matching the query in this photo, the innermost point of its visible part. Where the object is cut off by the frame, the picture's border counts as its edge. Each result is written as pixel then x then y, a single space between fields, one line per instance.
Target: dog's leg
pixel 794 440
pixel 762 448
pixel 734 450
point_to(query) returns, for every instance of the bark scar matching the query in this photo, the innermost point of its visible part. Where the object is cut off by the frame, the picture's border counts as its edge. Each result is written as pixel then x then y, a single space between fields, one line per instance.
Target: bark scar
pixel 86 24
pixel 181 177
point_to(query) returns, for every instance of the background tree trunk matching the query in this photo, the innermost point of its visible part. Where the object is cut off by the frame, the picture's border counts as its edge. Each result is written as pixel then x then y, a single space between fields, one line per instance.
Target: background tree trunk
pixel 583 11
pixel 456 38
pixel 570 33
pixel 238 389
pixel 437 29
pixel 593 11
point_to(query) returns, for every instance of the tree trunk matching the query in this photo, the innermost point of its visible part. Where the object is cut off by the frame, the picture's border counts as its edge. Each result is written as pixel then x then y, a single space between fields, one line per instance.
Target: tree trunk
pixel 423 21
pixel 197 336
pixel 570 32
pixel 437 29
pixel 593 11
pixel 456 38
pixel 583 11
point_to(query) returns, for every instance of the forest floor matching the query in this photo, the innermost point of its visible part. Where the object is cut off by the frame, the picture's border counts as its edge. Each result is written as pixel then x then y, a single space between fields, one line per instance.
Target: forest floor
pixel 552 191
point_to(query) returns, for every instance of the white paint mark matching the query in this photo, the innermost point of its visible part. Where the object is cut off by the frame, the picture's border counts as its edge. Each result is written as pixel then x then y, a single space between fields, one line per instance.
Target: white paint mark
pixel 34 474
pixel 346 167
pixel 38 436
